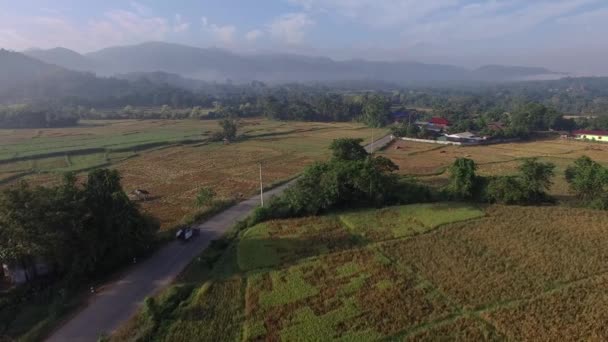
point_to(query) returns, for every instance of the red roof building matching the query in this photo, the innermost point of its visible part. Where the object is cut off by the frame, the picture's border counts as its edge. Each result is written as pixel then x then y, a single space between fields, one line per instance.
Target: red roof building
pixel 440 122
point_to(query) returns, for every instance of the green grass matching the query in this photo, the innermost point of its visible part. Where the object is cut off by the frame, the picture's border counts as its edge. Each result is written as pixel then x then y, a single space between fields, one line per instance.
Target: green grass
pixel 287 287
pixel 409 220
pixel 111 135
pixel 275 243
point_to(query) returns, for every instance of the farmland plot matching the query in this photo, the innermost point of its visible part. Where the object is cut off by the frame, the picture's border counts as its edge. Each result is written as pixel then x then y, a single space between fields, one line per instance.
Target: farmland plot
pixel 430 162
pixel 433 272
pixel 149 156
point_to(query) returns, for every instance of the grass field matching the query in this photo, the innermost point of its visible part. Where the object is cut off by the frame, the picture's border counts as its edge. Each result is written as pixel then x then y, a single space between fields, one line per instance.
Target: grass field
pixel 174 173
pixel 429 162
pixel 502 273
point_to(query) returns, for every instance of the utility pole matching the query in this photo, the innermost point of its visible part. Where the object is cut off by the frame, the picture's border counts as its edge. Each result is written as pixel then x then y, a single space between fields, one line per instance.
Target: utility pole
pixel 372 145
pixel 261 186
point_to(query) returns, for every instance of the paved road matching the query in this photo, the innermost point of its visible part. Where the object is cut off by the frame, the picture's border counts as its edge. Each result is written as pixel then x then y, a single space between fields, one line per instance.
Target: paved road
pixel 115 304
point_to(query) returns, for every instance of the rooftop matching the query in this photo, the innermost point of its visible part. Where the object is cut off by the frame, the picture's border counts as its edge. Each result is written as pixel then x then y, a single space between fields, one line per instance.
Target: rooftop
pixel 591 132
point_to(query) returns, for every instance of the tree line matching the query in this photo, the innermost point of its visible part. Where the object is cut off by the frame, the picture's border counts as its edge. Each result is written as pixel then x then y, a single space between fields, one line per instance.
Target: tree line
pixel 587 180
pixel 79 232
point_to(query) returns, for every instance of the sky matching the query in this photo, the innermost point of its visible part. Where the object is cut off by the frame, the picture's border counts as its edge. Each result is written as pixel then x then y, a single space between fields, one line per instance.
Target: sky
pixel 563 35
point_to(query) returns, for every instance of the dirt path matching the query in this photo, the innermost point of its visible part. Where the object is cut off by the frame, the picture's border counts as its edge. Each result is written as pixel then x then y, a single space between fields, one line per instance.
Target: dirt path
pixel 107 310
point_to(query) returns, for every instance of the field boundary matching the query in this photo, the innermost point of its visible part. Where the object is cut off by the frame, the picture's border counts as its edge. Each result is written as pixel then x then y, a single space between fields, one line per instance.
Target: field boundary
pixel 81 152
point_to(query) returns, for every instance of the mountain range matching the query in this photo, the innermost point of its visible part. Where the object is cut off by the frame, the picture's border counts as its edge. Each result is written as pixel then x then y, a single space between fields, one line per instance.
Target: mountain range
pixel 212 64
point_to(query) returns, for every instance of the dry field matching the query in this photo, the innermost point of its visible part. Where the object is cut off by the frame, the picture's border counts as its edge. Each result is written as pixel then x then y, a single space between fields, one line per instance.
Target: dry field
pixel 504 273
pixel 174 173
pixel 429 161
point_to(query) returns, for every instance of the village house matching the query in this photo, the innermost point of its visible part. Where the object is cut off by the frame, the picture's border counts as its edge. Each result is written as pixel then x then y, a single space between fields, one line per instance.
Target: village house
pixel 436 125
pixel 465 137
pixel 591 135
pixel 441 122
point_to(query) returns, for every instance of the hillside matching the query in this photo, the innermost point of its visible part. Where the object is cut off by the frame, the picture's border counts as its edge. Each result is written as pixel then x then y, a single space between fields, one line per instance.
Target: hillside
pixel 24 79
pixel 213 64
pixel 17 69
pixel 63 57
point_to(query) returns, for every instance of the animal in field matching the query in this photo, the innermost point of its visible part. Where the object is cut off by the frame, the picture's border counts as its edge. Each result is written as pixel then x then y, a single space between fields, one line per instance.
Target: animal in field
pixel 141 194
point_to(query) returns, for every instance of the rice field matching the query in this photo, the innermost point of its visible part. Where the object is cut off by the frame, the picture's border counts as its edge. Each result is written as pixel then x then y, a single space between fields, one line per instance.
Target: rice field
pixel 144 153
pixel 429 162
pixel 467 273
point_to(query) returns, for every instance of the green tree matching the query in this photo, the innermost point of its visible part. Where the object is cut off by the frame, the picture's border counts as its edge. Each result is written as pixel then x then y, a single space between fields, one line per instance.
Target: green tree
pixel 376 111
pixel 536 178
pixel 587 179
pixel 506 190
pixel 348 149
pixel 463 179
pixel 229 128
pixel 25 235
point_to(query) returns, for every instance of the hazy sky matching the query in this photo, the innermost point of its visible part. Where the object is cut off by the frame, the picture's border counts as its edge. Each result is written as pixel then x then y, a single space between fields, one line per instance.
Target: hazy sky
pixel 565 35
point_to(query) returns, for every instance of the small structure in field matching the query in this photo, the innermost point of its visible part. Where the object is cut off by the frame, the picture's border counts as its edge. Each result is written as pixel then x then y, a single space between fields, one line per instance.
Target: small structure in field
pixel 18 275
pixel 591 135
pixel 141 194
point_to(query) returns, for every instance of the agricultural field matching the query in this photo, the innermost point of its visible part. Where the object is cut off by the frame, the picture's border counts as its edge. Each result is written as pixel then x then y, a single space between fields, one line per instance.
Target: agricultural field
pixel 468 273
pixel 172 159
pixel 420 272
pixel 429 162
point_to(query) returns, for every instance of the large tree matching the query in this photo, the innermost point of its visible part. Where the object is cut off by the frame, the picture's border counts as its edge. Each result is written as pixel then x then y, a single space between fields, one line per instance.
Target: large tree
pixel 348 149
pixel 536 178
pixel 80 231
pixel 463 179
pixel 588 179
pixel 376 111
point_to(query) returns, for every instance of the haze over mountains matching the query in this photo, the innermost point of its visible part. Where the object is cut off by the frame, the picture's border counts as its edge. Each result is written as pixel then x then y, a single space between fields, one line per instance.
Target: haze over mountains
pixel 212 64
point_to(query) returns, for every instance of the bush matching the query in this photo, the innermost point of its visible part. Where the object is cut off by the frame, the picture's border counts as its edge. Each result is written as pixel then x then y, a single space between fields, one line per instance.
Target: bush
pixel 505 190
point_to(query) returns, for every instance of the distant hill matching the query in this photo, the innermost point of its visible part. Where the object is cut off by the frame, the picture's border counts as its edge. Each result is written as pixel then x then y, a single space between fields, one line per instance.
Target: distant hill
pixel 24 79
pixel 212 64
pixel 512 73
pixel 161 78
pixel 17 69
pixel 63 57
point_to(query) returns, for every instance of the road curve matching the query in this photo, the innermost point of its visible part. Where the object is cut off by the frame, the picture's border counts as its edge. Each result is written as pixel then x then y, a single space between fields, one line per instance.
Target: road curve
pixel 119 300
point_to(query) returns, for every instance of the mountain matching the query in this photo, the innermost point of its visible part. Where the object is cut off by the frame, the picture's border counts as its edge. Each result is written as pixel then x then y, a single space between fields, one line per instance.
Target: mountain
pixel 160 78
pixel 64 58
pixel 17 69
pixel 213 64
pixel 24 79
pixel 512 73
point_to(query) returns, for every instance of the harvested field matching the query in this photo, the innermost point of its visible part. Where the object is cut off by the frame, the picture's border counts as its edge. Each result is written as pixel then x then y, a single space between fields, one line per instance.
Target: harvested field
pixel 173 174
pixel 430 162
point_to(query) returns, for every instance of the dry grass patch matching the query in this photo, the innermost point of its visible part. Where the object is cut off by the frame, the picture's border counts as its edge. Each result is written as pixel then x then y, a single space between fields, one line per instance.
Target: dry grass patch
pixel 574 313
pixel 174 174
pixel 513 253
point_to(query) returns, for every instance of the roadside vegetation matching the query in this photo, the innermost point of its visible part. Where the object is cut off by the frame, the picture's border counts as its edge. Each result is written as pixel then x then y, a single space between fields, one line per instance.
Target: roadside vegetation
pixel 77 234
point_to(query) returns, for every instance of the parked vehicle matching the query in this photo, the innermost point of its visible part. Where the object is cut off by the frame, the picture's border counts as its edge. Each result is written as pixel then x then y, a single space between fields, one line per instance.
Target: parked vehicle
pixel 185 234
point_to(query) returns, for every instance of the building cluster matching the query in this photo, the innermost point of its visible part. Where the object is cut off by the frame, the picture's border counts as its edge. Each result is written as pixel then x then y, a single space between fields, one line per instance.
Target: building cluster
pixel 439 127
pixel 591 135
